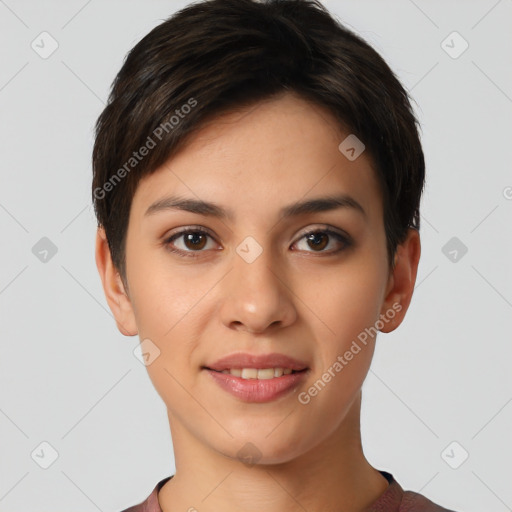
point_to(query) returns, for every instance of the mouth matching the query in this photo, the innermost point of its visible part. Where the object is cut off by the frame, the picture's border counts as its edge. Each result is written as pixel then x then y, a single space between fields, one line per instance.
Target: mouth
pixel 258 385
pixel 266 366
pixel 257 373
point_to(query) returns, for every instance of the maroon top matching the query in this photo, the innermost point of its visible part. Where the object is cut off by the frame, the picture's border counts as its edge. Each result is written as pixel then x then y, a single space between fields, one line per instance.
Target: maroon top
pixel 394 499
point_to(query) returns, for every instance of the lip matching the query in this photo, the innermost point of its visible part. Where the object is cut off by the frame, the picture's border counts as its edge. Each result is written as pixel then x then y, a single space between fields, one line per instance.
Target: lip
pixel 256 390
pixel 245 360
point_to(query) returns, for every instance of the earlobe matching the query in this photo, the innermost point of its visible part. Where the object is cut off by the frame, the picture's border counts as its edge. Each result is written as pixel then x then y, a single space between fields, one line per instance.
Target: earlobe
pixel 401 281
pixel 117 298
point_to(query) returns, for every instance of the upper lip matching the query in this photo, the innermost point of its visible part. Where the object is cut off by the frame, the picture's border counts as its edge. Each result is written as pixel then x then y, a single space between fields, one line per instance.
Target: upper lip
pixel 245 360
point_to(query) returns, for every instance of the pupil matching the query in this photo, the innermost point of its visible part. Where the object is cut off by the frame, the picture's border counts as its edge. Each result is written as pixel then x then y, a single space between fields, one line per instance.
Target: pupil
pixel 314 238
pixel 192 238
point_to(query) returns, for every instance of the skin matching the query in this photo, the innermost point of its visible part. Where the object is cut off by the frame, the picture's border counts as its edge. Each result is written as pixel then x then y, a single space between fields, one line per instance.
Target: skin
pixel 307 302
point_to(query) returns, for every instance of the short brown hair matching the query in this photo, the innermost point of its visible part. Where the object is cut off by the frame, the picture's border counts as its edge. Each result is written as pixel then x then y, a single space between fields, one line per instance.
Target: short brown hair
pixel 218 56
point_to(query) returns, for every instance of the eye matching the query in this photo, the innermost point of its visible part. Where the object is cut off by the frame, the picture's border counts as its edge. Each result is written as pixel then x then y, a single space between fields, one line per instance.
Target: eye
pixel 319 239
pixel 193 240
pixel 190 241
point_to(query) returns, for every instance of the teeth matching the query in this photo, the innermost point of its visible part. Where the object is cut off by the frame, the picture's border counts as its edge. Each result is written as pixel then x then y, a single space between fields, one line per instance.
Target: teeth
pixel 255 373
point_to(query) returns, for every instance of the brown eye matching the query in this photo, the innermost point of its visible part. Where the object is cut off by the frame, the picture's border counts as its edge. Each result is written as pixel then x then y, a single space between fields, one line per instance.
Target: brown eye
pixel 319 239
pixel 195 240
pixel 188 242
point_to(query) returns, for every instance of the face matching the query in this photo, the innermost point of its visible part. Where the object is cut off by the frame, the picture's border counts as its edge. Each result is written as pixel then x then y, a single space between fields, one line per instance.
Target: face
pixel 262 278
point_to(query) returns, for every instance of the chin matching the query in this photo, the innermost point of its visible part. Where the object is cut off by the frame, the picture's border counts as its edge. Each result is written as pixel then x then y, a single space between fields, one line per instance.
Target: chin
pixel 263 449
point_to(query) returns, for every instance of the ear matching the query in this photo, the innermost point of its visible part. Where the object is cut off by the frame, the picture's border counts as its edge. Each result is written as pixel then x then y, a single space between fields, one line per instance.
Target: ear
pixel 401 281
pixel 117 299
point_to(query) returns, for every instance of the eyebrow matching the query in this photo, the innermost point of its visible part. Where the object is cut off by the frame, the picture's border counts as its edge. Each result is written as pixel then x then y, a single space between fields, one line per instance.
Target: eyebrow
pixel 199 207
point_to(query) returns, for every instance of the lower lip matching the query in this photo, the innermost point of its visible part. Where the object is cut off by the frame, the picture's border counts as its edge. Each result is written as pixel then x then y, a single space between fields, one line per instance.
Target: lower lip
pixel 257 390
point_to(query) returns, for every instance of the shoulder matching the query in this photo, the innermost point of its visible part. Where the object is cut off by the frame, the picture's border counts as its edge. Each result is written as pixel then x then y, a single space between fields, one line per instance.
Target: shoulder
pixel 395 499
pixel 150 504
pixel 414 502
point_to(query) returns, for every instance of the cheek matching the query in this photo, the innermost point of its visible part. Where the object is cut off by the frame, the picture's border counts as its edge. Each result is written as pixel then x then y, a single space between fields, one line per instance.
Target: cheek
pixel 348 305
pixel 347 301
pixel 163 296
pixel 169 307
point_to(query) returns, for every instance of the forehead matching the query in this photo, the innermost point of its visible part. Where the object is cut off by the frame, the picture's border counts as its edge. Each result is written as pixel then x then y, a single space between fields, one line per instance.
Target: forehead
pixel 270 154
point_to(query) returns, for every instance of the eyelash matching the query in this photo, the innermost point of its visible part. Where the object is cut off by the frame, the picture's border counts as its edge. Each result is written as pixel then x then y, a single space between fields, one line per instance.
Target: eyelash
pixel 345 240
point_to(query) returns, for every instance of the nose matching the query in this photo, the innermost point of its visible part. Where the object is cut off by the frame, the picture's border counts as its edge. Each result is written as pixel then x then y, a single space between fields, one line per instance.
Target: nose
pixel 257 295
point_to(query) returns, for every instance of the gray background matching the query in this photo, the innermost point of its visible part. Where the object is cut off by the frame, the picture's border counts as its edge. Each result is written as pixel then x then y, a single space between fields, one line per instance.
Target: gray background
pixel 69 378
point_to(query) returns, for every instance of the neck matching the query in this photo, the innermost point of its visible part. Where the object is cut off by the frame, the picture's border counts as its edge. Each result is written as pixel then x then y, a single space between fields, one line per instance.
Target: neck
pixel 334 475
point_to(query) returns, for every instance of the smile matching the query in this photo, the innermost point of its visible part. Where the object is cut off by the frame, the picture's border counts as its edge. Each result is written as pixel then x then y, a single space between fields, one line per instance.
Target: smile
pixel 258 373
pixel 250 387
